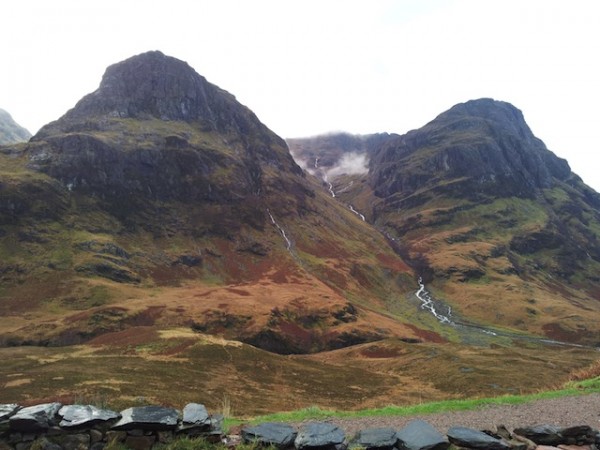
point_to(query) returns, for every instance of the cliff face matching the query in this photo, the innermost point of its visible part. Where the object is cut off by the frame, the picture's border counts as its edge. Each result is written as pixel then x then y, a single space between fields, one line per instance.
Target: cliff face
pixel 10 131
pixel 484 143
pixel 156 130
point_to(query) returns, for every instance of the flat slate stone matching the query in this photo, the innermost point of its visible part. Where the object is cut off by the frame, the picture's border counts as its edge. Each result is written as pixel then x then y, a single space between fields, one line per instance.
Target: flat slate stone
pixel 375 438
pixel 157 418
pixel 316 434
pixel 541 434
pixel 34 419
pixel 280 435
pixel 195 414
pixel 74 416
pixel 8 410
pixel 420 435
pixel 467 437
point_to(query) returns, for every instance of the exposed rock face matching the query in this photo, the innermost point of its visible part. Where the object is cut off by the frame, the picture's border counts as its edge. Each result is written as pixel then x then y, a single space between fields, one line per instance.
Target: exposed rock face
pixel 155 130
pixel 486 143
pixel 10 131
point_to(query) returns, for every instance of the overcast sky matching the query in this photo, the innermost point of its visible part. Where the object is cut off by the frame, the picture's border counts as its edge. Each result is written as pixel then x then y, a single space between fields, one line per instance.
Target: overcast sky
pixel 312 66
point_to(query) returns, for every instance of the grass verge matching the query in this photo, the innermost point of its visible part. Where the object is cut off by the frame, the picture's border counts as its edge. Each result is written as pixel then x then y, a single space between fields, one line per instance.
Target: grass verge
pixel 315 413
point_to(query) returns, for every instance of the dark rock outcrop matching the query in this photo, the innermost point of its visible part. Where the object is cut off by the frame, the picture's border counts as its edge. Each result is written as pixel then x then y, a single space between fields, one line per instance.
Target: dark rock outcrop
pixel 486 144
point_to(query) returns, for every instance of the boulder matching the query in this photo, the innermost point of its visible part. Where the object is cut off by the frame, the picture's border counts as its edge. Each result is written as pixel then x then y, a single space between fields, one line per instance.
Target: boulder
pixel 8 410
pixel 325 436
pixel 375 438
pixel 79 416
pixel 156 418
pixel 34 419
pixel 195 414
pixel 420 435
pixel 469 438
pixel 279 435
pixel 578 435
pixel 541 434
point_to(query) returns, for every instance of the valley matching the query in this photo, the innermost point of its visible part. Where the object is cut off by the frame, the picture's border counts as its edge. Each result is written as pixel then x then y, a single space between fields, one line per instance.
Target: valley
pixel 164 246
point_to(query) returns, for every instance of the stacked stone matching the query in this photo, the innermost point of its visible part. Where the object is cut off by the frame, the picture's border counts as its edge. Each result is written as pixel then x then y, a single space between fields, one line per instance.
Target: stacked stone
pixel 420 435
pixel 52 426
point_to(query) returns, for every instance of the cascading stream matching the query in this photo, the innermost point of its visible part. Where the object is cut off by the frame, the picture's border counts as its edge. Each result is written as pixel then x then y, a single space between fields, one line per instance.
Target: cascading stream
pixel 288 243
pixel 357 213
pixel 427 303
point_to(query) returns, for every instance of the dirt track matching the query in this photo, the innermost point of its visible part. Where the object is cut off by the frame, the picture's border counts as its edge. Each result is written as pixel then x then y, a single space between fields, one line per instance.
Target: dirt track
pixel 563 412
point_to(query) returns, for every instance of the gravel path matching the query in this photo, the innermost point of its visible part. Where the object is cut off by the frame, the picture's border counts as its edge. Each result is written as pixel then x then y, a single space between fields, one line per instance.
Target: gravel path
pixel 562 412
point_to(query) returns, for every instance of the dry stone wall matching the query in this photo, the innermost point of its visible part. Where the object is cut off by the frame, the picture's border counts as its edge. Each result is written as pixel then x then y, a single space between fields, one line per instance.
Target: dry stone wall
pixel 52 426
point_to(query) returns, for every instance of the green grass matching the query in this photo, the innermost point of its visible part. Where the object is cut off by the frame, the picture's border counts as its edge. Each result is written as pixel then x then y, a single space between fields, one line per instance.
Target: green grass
pixel 316 413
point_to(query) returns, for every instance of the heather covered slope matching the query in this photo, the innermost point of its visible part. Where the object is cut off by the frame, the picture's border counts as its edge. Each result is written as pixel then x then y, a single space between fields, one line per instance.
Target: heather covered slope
pixel 502 229
pixel 159 236
pixel 160 180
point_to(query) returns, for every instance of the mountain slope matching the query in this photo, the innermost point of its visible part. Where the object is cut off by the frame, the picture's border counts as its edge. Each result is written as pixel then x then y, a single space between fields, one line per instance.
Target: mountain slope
pixel 10 131
pixel 159 199
pixel 499 225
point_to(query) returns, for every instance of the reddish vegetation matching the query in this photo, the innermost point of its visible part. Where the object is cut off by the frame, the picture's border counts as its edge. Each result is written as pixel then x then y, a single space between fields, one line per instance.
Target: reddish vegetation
pixel 131 336
pixel 393 263
pixel 556 332
pixel 428 336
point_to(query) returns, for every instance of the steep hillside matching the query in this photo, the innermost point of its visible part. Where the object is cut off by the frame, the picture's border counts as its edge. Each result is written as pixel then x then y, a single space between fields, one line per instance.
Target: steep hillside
pixel 159 200
pixel 10 131
pixel 502 229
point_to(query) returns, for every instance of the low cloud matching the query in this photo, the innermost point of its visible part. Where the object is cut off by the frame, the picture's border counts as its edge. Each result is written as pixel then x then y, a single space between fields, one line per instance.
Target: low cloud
pixel 350 164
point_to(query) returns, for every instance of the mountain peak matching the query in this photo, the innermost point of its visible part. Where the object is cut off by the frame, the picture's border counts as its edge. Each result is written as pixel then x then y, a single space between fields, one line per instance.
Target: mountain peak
pixel 150 84
pixel 483 146
pixel 153 85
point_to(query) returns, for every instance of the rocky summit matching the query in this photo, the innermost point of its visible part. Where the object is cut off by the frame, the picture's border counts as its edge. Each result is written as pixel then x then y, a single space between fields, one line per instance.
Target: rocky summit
pixel 158 241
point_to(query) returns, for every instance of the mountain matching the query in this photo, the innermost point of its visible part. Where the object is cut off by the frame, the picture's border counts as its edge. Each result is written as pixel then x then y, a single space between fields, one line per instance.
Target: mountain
pixel 159 183
pixel 498 225
pixel 10 131
pixel 159 243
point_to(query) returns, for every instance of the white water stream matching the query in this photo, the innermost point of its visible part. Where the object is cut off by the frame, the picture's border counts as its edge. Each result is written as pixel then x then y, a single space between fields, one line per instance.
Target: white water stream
pixel 288 243
pixel 427 303
pixel 357 213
